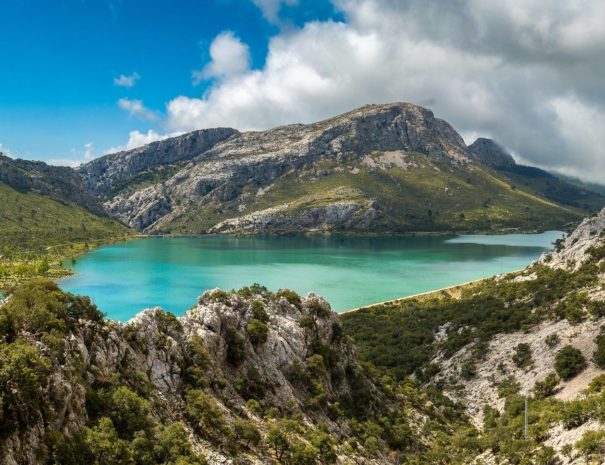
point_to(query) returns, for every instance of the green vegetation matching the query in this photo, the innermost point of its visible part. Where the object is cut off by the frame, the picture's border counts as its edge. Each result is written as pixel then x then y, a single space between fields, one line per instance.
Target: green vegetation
pixel 38 233
pixel 426 195
pixel 400 336
pixel 569 361
pixel 522 356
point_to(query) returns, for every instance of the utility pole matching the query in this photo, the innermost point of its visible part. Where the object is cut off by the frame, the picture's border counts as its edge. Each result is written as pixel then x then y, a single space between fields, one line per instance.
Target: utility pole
pixel 526 421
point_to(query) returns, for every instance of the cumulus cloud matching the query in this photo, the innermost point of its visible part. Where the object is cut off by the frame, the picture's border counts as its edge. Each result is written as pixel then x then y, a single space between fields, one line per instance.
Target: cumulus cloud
pixel 137 109
pixel 525 72
pixel 80 156
pixel 271 8
pixel 138 139
pixel 229 56
pixel 126 81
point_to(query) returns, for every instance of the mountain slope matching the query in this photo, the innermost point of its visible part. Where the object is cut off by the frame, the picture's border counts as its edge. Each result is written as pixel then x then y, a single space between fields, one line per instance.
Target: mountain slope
pixel 378 169
pixel 43 206
pixel 247 377
pixel 535 180
pixel 538 333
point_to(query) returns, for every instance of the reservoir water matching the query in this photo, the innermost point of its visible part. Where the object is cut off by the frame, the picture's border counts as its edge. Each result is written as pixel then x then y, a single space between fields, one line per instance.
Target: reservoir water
pixel 349 272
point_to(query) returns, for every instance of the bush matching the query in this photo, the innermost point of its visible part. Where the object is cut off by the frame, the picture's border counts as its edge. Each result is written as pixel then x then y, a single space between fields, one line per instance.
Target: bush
pixel 569 361
pixel 246 432
pixel 23 376
pixel 205 413
pixel 259 312
pixel 236 346
pixel 546 388
pixel 257 331
pixel 599 353
pixel 290 296
pixel 129 412
pixel 552 340
pixel 522 355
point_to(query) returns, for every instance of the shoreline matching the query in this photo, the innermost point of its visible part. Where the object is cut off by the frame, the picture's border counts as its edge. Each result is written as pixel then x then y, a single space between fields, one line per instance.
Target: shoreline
pixel 429 294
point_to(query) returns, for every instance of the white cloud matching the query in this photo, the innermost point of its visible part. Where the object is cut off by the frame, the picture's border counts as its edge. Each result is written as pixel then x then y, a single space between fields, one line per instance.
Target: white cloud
pixel 271 8
pixel 136 108
pixel 126 81
pixel 229 57
pixel 6 152
pixel 489 68
pixel 89 152
pixel 64 162
pixel 81 156
pixel 138 139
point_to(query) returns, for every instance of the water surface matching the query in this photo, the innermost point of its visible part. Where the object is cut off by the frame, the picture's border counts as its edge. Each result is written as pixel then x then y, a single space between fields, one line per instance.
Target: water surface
pixel 350 272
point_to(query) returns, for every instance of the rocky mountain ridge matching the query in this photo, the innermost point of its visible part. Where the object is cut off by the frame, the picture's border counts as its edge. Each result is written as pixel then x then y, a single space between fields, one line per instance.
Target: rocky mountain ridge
pixel 379 169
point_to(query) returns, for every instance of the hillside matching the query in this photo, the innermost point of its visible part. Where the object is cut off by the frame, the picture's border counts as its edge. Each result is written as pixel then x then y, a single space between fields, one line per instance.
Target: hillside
pixel 46 217
pixel 42 206
pixel 378 169
pixel 536 333
pixel 247 377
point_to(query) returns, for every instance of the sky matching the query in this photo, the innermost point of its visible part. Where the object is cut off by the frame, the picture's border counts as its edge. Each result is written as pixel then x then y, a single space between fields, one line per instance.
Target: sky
pixel 81 78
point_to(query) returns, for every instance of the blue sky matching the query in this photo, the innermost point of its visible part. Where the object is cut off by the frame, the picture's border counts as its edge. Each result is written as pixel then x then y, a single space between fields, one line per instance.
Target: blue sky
pixel 81 77
pixel 59 60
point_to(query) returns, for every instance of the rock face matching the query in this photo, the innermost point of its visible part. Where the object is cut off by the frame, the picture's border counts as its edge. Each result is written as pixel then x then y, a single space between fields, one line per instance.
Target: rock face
pixel 102 174
pixel 291 179
pixel 491 154
pixel 572 252
pixel 158 347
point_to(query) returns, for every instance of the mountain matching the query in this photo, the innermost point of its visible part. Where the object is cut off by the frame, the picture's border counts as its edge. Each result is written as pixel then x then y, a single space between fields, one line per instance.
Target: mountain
pixel 535 180
pixel 378 169
pixel 43 206
pixel 537 334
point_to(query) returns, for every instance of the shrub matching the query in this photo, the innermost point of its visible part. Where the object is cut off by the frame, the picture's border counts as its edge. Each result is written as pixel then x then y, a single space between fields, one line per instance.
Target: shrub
pixel 257 331
pixel 552 340
pixel 129 412
pixel 246 432
pixel 236 346
pixel 592 445
pixel 205 413
pixel 599 353
pixel 290 296
pixel 522 355
pixel 569 361
pixel 546 388
pixel 468 370
pixel 259 312
pixel 318 309
pixel 23 375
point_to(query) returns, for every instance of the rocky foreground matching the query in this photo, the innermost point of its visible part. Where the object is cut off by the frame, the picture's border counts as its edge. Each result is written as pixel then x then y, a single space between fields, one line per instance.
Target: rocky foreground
pixel 248 377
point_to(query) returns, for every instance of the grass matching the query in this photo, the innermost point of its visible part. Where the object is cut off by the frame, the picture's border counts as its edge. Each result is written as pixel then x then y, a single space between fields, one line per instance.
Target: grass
pixel 35 228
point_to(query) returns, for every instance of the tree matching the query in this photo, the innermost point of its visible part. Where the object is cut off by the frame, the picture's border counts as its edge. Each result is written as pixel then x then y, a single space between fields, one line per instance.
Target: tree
pixel 129 412
pixel 236 346
pixel 569 361
pixel 23 376
pixel 522 355
pixel 204 412
pixel 41 267
pixel 105 446
pixel 258 331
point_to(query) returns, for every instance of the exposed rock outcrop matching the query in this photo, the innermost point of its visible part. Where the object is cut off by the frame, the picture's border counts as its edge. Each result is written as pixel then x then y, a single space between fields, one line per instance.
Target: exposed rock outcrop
pixel 163 353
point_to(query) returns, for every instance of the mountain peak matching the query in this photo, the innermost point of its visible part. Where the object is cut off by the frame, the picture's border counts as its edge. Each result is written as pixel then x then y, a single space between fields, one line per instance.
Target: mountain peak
pixel 490 153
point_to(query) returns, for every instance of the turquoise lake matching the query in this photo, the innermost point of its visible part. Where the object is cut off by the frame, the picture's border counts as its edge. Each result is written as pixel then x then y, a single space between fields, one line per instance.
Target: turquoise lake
pixel 125 278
